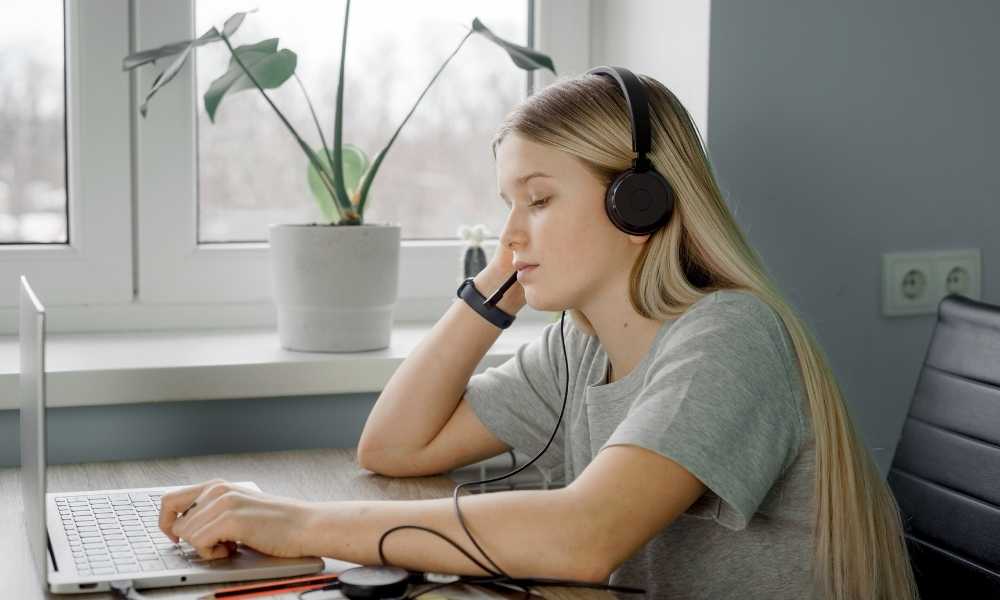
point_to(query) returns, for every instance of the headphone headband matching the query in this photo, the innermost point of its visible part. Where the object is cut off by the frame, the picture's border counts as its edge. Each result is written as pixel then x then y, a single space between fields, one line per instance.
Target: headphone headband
pixel 638 111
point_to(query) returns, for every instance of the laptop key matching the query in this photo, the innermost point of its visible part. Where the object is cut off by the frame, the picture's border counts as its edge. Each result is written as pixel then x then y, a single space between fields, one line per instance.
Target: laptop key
pixel 151 565
pixel 105 571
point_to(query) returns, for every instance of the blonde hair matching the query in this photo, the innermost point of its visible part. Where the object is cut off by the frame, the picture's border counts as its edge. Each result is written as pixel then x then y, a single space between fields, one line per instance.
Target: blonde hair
pixel 860 551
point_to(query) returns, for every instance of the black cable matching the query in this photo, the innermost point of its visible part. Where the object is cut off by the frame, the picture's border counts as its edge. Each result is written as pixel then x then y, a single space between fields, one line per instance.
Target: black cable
pixel 381 541
pixel 555 429
pixel 500 576
pixel 458 487
pixel 458 511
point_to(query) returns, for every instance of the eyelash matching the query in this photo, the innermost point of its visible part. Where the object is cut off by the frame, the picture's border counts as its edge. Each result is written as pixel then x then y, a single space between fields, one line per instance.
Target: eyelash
pixel 541 202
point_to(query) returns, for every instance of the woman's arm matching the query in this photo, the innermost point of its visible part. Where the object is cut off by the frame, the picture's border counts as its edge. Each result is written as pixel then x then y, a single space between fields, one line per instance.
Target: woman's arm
pixel 531 533
pixel 582 532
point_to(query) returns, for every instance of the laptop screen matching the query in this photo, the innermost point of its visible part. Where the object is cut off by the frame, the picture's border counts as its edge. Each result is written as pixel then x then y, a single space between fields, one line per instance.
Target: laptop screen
pixel 31 391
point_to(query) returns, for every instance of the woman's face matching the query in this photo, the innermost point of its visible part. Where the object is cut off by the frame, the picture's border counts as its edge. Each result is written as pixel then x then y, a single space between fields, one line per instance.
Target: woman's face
pixel 558 221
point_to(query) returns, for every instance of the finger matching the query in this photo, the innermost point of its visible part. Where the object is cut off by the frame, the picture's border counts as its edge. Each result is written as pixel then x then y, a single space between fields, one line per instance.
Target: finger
pixel 214 501
pixel 209 539
pixel 177 501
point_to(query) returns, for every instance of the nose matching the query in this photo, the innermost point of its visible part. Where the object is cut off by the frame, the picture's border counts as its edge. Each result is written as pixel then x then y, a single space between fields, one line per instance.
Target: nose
pixel 513 232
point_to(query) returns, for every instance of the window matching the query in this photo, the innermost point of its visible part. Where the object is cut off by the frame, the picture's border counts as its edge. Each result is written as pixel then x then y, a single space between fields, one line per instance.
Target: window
pixel 213 249
pixel 162 225
pixel 65 180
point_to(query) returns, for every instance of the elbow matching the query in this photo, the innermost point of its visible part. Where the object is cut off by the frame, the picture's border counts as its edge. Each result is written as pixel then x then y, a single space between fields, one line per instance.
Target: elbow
pixel 370 460
pixel 388 463
pixel 364 459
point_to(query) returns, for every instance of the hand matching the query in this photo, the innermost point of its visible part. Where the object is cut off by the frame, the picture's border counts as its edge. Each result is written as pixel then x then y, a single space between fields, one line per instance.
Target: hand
pixel 500 267
pixel 225 513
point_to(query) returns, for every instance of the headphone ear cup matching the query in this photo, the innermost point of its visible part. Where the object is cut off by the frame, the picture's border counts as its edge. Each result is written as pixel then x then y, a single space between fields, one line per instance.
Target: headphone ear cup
pixel 639 203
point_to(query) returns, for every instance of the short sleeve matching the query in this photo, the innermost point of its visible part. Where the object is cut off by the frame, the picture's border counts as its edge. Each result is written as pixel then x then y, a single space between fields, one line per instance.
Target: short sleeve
pixel 519 400
pixel 717 400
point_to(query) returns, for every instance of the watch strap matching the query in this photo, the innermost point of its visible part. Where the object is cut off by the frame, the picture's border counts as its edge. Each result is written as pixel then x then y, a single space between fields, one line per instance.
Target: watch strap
pixel 473 297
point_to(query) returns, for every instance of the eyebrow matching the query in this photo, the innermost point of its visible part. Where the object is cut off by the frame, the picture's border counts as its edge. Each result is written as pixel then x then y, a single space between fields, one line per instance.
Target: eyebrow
pixel 524 179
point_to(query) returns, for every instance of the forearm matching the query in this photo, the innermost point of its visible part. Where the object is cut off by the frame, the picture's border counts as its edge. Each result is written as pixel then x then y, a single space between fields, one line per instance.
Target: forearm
pixel 427 386
pixel 527 533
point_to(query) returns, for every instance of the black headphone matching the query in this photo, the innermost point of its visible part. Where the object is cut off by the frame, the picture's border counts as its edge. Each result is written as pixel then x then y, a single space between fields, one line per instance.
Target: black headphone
pixel 640 200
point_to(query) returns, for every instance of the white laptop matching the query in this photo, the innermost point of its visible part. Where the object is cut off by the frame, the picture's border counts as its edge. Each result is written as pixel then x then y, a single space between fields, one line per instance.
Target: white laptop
pixel 82 541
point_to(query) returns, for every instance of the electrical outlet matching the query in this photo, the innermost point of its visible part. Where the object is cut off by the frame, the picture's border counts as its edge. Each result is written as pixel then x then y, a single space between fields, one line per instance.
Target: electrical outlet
pixel 958 272
pixel 908 281
pixel 914 283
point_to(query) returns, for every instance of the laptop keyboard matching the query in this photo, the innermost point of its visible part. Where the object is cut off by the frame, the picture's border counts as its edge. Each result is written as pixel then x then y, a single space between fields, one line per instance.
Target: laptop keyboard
pixel 120 533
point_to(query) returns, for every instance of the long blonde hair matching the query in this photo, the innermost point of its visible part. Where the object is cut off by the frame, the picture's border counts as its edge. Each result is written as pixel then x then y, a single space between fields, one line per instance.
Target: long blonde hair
pixel 860 551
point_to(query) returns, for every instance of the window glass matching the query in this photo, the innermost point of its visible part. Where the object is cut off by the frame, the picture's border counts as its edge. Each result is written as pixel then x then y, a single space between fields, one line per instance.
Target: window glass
pixel 33 207
pixel 439 173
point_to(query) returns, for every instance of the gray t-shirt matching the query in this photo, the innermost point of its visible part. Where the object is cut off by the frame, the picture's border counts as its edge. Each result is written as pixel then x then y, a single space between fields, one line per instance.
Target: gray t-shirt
pixel 720 393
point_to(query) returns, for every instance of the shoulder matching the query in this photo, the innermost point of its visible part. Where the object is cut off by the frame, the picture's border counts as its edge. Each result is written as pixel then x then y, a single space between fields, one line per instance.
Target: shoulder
pixel 731 311
pixel 734 327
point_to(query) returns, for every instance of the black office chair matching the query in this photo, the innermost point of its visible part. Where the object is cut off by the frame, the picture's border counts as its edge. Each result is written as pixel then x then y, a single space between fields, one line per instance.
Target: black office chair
pixel 945 474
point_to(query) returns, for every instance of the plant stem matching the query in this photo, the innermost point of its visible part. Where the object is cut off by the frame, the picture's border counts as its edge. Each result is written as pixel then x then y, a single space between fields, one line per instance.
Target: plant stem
pixel 381 155
pixel 312 111
pixel 305 147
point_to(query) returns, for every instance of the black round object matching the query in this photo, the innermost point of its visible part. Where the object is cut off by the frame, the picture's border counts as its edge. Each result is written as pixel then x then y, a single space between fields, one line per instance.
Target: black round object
pixel 374 582
pixel 639 203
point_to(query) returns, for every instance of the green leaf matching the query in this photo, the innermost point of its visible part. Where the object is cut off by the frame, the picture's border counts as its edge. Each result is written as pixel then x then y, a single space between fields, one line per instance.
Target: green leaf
pixel 354 162
pixel 343 200
pixel 270 67
pixel 182 50
pixel 524 57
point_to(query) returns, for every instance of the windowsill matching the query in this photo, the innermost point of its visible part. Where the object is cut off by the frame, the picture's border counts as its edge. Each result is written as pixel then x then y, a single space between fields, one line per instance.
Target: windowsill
pixel 92 369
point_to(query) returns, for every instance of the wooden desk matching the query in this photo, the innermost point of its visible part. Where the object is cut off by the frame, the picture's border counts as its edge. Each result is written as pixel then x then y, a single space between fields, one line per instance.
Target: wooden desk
pixel 307 474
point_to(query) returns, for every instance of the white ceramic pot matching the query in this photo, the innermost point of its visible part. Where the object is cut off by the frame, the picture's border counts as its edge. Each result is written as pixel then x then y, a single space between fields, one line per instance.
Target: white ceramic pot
pixel 334 286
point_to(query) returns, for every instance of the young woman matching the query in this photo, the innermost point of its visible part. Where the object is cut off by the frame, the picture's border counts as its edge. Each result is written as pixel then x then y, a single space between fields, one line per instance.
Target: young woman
pixel 706 448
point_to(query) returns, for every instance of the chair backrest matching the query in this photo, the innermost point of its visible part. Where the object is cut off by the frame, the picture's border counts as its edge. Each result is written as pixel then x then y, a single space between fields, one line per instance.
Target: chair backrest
pixel 945 474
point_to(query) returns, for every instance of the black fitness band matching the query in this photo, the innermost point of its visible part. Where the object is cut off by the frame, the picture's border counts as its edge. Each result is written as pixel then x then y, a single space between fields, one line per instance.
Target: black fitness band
pixel 487 306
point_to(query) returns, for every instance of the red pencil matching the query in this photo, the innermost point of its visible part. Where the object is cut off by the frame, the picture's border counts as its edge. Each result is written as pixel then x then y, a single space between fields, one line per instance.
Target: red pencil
pixel 269 588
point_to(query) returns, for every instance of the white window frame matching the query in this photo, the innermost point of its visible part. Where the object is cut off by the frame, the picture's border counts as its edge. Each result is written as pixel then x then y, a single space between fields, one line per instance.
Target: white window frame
pixel 176 269
pixel 96 266
pixel 124 269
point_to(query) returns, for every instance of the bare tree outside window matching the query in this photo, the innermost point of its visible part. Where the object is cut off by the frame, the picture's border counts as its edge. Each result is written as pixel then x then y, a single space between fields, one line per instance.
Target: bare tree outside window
pixel 33 206
pixel 439 173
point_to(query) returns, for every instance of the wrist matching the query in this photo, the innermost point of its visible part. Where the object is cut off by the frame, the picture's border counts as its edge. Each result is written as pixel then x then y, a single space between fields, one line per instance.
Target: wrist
pixel 314 519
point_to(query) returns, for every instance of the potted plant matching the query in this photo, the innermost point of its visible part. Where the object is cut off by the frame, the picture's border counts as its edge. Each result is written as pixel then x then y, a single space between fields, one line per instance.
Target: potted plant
pixel 334 284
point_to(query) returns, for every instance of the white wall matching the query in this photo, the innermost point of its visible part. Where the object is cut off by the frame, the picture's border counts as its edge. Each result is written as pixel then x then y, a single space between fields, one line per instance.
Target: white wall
pixel 665 39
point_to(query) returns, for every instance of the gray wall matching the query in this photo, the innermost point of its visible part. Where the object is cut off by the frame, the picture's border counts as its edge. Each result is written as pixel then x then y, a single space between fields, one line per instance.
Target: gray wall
pixel 842 130
pixel 189 428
